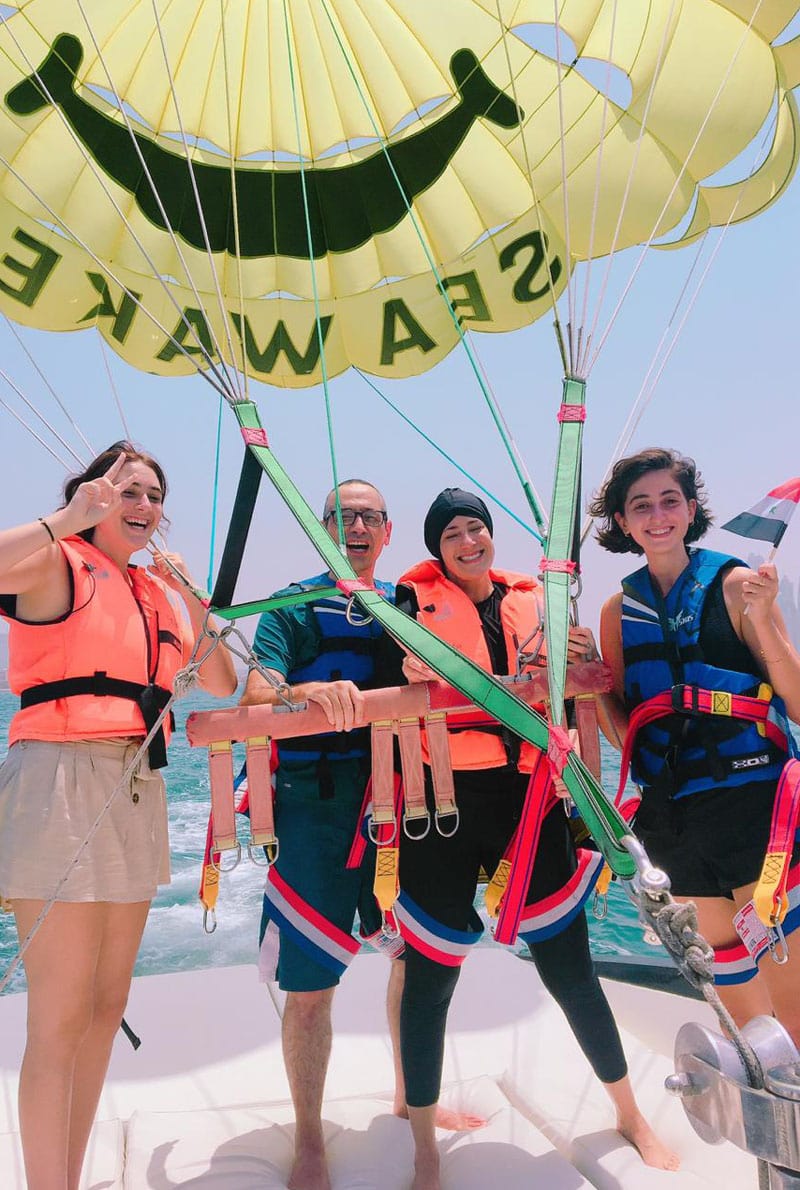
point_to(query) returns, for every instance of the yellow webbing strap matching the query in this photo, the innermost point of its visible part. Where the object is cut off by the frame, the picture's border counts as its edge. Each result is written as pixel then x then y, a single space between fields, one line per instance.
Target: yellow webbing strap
pixel 497 887
pixel 765 692
pixel 772 904
pixel 386 886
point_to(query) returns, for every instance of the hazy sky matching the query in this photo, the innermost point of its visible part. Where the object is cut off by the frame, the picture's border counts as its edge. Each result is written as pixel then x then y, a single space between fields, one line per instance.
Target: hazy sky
pixel 728 397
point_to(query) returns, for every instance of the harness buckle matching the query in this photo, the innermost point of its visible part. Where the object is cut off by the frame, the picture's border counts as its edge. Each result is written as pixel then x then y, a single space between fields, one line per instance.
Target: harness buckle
pixel 679 699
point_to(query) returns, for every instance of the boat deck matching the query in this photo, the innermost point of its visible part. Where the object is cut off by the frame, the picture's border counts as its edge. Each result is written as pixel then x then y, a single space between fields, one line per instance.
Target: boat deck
pixel 204 1102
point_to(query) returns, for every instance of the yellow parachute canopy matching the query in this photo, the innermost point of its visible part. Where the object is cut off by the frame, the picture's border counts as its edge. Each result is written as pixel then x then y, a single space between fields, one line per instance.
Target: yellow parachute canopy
pixel 250 179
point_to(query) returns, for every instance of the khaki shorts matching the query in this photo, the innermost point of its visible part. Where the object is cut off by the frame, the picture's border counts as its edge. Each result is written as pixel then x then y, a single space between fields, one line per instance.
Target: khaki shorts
pixel 50 797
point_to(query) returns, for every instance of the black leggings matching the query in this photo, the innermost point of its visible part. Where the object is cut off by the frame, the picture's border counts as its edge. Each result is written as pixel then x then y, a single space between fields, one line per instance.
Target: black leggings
pixel 440 875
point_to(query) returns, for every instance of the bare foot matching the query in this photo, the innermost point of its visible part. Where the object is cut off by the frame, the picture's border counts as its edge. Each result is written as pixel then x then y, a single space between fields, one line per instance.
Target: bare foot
pixel 453 1121
pixel 652 1151
pixel 310 1170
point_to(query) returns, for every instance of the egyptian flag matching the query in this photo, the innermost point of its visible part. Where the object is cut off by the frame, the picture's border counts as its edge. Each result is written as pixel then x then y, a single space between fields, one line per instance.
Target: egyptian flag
pixel 769 519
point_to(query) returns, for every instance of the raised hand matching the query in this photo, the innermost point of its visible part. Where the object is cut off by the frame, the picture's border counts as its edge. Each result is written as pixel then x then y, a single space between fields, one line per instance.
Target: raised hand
pixel 94 500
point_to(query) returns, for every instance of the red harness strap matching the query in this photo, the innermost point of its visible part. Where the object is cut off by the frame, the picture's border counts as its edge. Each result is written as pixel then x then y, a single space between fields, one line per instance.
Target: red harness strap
pixel 770 897
pixel 513 875
pixel 695 700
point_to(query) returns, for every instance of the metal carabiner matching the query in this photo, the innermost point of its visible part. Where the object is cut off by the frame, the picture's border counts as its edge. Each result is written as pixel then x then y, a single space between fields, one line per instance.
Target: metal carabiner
pixel 438 815
pixel 778 946
pixel 209 915
pixel 600 906
pixel 364 617
pixel 388 930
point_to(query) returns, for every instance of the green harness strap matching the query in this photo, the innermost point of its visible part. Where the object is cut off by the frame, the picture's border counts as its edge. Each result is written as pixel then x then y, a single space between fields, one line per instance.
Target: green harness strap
pixel 601 818
pixel 560 539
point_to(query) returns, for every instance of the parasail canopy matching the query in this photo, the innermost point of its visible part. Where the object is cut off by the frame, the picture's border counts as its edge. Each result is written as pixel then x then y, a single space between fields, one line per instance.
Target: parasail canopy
pixel 283 183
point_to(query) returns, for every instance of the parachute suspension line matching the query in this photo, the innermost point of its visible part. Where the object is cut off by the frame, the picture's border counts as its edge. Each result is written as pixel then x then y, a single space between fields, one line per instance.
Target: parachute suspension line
pixel 64 409
pixel 244 366
pixel 508 443
pixel 532 183
pixel 440 450
pixel 601 817
pixel 114 390
pixel 32 432
pixel 212 545
pixel 37 413
pixel 564 180
pixel 584 347
pixel 59 222
pixel 315 290
pixel 662 355
pixel 211 377
pixel 662 49
pixel 647 390
pixel 231 372
pixel 675 185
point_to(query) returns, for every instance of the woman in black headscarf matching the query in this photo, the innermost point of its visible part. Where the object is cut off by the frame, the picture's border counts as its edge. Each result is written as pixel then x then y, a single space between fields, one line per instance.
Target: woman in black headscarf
pixel 486 613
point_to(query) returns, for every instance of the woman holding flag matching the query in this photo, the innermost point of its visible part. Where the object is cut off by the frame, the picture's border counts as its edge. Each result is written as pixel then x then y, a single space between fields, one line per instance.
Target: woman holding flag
pixel 705 680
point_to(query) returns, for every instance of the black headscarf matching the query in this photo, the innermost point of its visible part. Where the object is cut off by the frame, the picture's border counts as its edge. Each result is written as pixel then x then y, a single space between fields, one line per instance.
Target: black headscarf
pixel 449 503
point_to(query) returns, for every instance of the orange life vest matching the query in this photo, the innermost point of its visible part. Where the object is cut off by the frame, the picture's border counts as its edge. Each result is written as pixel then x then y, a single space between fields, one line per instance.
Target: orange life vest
pixel 104 669
pixel 449 613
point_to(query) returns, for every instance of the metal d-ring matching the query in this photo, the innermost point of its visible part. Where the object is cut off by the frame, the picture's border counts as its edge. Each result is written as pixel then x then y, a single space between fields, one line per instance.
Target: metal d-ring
pixel 257 854
pixel 407 832
pixel 372 831
pixel 454 813
pixel 222 869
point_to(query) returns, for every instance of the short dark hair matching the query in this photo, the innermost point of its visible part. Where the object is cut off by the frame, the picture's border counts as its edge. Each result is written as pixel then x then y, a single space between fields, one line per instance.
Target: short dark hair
pixel 102 462
pixel 611 498
pixel 330 499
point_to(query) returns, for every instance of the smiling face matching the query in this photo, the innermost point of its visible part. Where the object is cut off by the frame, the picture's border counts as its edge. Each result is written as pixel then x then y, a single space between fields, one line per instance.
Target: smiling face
pixel 130 528
pixel 657 514
pixel 467 552
pixel 364 543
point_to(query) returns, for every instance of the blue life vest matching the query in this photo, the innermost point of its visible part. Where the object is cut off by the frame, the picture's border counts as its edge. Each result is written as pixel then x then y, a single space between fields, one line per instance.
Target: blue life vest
pixel 684 754
pixel 346 653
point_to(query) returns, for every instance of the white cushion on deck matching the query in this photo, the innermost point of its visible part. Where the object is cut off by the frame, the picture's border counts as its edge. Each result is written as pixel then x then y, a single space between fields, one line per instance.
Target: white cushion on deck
pixel 250 1148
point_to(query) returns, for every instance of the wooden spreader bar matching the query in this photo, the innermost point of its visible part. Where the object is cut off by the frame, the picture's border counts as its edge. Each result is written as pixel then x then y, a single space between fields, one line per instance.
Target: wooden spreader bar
pixel 394 711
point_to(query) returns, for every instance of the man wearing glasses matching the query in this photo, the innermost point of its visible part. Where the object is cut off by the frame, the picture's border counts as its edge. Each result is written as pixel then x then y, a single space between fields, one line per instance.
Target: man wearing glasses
pixel 324 651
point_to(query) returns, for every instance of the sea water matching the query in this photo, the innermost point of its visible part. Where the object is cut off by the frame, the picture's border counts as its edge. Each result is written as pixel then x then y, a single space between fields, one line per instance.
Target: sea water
pixel 174 939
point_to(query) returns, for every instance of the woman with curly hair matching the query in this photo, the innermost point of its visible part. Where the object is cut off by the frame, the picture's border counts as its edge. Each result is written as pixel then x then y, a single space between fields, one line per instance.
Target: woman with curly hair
pixel 693 622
